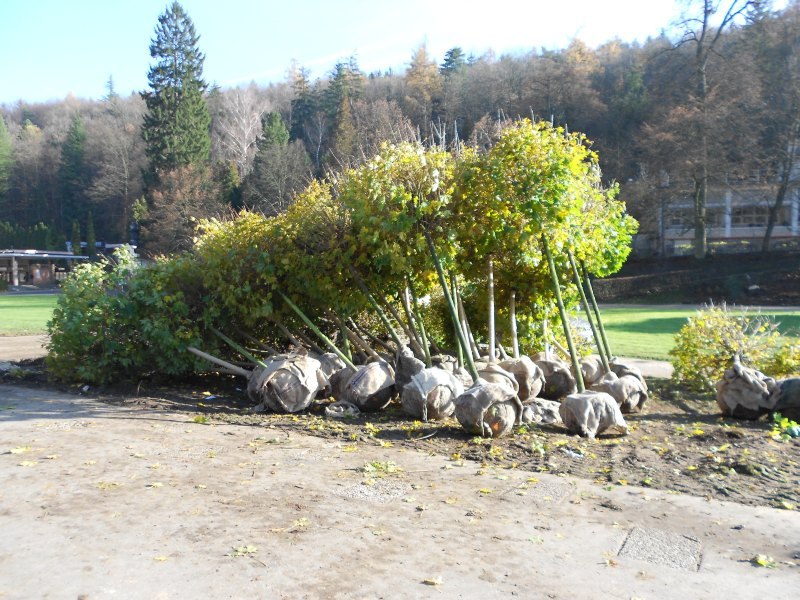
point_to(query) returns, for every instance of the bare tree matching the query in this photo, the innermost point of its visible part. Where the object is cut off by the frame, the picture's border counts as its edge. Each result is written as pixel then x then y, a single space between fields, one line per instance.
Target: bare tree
pixel 237 125
pixel 702 27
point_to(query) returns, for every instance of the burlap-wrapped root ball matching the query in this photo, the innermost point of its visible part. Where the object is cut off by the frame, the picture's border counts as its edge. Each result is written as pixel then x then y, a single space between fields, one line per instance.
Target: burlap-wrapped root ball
pixel 558 378
pixel 629 392
pixel 745 393
pixel 591 413
pixel 288 384
pixel 542 412
pixel 592 369
pixel 788 403
pixel 494 373
pixel 371 387
pixel 431 394
pixel 488 409
pixel 529 376
pixel 622 368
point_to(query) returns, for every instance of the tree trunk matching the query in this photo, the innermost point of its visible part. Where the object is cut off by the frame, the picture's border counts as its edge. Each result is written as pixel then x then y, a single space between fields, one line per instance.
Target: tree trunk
pixel 451 306
pixel 512 311
pixel 491 312
pixel 585 303
pixel 576 367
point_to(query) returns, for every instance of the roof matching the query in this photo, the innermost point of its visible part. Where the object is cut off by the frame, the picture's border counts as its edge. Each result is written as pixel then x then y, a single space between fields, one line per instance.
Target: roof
pixel 44 254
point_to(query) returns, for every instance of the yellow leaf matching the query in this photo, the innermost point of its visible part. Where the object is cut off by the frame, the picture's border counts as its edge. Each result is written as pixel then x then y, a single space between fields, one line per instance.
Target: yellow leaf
pixel 28 463
pixel 20 450
pixel 485 491
pixel 432 581
pixel 155 484
pixel 160 558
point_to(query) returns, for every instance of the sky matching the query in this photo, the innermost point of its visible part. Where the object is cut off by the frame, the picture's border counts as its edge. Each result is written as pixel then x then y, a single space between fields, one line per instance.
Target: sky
pixel 54 48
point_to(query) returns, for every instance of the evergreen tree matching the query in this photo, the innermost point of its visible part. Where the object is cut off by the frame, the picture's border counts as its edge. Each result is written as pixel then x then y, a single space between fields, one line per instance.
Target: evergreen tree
pixel 303 103
pixel 454 62
pixel 73 175
pixel 90 237
pixel 6 166
pixel 279 168
pixel 76 237
pixel 176 126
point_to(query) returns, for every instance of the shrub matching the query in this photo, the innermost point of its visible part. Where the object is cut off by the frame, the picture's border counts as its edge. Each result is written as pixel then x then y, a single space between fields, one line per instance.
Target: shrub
pixel 116 319
pixel 706 344
pixel 86 340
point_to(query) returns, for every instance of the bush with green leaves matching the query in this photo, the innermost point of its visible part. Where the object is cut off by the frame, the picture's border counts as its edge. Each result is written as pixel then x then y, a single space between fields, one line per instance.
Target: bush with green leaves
pixel 706 344
pixel 87 341
pixel 116 319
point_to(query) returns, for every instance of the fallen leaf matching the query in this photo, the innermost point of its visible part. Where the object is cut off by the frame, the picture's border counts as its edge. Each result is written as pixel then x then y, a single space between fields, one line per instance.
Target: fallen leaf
pixel 155 484
pixel 433 581
pixel 107 485
pixel 485 491
pixel 762 560
pixel 20 450
pixel 243 550
pixel 160 558
pixel 28 463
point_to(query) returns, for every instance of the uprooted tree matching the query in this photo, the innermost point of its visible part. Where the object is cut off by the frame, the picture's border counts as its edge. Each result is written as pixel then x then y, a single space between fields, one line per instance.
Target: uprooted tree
pixel 387 254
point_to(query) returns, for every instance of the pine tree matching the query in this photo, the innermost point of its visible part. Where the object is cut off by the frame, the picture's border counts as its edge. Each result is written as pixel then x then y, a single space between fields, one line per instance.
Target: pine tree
pixel 73 176
pixel 6 167
pixel 176 126
pixel 279 168
pixel 90 237
pixel 454 62
pixel 76 237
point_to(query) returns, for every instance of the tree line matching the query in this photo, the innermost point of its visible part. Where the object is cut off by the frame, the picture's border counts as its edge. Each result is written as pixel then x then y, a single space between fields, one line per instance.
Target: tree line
pixel 715 102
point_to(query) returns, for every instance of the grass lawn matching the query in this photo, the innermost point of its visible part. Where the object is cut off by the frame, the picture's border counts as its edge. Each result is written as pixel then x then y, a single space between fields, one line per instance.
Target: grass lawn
pixel 25 314
pixel 640 332
pixel 647 332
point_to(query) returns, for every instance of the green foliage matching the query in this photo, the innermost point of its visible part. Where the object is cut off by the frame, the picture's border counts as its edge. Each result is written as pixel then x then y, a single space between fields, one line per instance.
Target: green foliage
pixel 91 249
pixel 85 337
pixel 73 174
pixel 39 236
pixel 115 319
pixel 176 126
pixel 706 345
pixel 785 360
pixel 386 224
pixel 784 429
pixel 76 237
pixel 6 161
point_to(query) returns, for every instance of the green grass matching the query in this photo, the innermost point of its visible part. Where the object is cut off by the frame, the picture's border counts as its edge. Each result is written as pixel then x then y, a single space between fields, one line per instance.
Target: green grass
pixel 648 332
pixel 641 332
pixel 26 314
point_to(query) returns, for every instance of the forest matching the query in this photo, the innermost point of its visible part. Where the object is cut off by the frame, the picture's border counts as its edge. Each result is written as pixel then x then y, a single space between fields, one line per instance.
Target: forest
pixel 714 102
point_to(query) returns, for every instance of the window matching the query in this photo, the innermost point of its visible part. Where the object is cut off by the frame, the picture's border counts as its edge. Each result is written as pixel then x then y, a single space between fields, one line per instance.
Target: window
pixel 749 216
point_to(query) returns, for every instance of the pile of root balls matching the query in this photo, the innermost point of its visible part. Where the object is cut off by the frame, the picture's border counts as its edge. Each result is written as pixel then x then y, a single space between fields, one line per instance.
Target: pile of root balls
pixel 507 392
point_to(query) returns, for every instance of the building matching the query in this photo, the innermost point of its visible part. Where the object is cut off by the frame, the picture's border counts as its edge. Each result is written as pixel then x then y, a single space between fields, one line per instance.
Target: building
pixel 736 221
pixel 35 267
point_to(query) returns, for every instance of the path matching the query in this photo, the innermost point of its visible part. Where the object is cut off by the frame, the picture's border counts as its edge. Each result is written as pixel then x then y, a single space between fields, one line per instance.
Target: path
pixel 99 501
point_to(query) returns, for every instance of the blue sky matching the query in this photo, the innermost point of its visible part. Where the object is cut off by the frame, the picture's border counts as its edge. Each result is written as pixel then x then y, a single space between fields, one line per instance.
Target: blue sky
pixel 52 48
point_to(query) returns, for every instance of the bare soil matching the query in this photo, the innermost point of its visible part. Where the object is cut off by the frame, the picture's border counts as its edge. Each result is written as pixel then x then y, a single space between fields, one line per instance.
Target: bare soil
pixel 679 443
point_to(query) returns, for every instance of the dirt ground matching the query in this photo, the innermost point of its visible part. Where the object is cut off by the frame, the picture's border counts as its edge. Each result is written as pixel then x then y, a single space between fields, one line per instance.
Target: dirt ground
pixel 156 495
pixel 679 443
